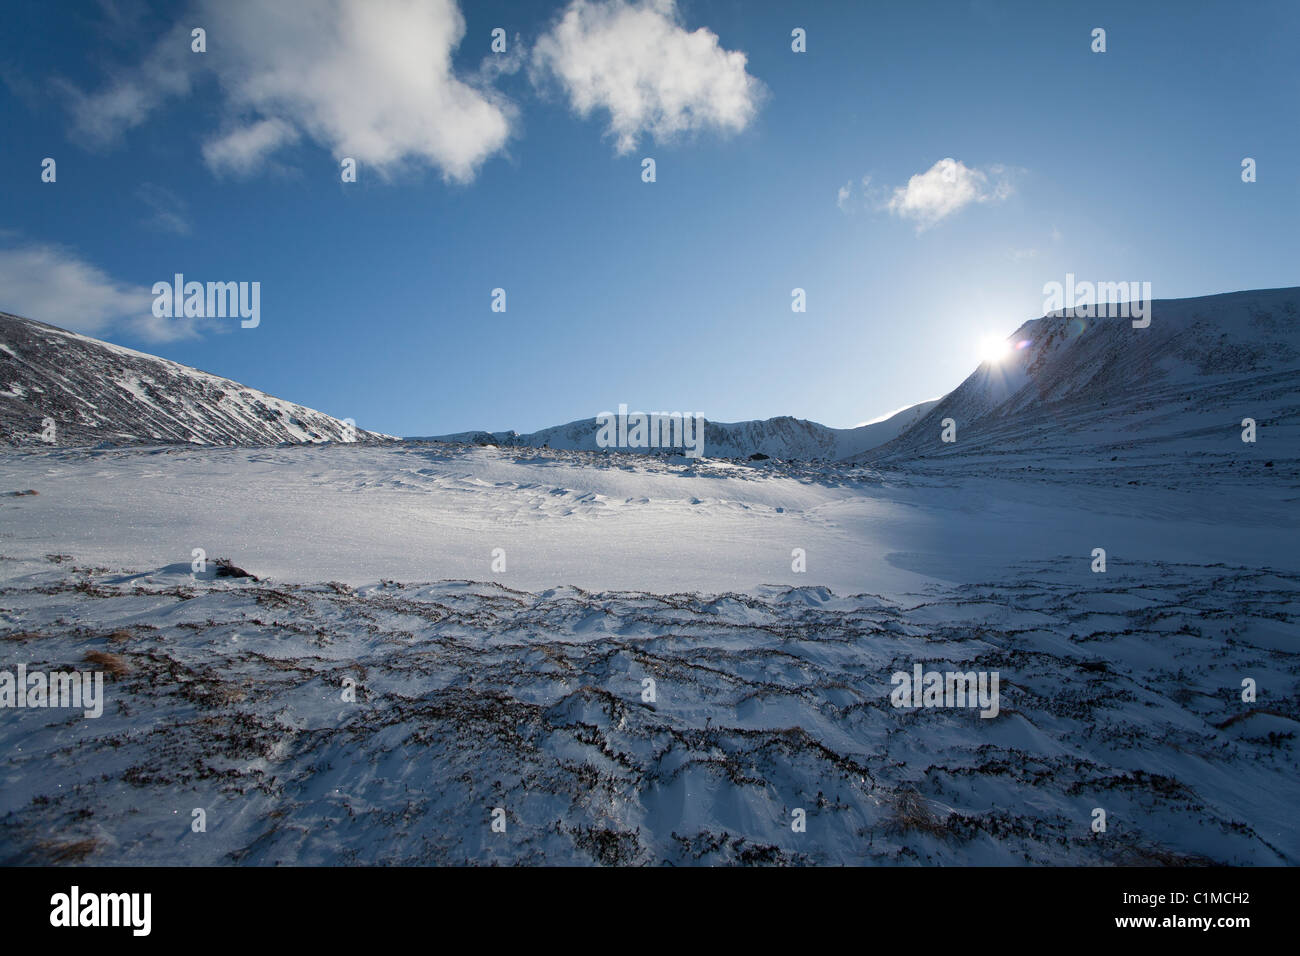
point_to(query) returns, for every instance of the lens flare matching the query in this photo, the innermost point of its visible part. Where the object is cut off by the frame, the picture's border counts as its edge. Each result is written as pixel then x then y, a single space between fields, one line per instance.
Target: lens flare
pixel 993 349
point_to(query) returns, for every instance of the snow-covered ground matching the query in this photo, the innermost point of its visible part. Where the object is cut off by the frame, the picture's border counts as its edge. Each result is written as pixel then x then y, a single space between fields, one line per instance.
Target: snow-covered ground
pixel 522 688
pixel 426 512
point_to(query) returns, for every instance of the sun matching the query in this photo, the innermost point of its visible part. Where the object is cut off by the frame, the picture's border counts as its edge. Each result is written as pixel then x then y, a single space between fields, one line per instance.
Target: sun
pixel 993 349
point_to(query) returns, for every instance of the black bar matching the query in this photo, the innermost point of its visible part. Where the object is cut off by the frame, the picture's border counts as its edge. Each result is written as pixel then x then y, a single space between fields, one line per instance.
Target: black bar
pixel 923 907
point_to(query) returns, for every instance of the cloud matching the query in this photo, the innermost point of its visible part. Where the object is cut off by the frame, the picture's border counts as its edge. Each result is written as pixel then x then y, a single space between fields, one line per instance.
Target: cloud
pixel 367 79
pixel 637 62
pixel 943 189
pixel 168 209
pixel 151 328
pixel 51 284
pixel 503 64
pixel 100 119
pixel 854 196
pixel 243 150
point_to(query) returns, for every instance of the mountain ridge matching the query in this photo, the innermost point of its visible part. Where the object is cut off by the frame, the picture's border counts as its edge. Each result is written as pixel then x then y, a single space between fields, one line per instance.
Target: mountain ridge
pixel 1101 387
pixel 62 388
pixel 783 436
pixel 1203 366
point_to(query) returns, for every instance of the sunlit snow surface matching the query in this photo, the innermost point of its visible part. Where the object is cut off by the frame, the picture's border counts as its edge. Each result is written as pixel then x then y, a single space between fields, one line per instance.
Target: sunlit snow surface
pixel 522 689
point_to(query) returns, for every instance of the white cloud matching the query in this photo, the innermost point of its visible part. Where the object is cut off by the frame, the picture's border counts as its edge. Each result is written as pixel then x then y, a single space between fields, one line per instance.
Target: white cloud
pixel 637 62
pixel 943 189
pixel 503 64
pixel 151 328
pixel 51 284
pixel 863 195
pixel 243 150
pixel 369 79
pixel 102 117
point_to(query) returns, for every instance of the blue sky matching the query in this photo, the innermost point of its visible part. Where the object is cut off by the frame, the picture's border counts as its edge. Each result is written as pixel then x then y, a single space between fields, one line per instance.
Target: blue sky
pixel 522 171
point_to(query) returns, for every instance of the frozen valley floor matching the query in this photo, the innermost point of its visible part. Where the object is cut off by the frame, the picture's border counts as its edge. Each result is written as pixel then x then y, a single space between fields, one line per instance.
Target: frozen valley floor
pixel 525 689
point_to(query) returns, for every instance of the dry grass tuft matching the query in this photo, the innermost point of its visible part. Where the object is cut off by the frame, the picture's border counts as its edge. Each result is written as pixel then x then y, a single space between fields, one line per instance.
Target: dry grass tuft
pixel 109 663
pixel 67 851
pixel 912 812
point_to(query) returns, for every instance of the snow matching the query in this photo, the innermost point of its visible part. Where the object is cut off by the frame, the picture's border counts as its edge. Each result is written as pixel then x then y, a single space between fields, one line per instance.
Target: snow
pixel 134 386
pixel 522 689
pixel 426 512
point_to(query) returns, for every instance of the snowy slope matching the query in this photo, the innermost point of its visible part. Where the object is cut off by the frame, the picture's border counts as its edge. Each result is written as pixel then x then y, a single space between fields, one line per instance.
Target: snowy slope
pixel 1081 390
pixel 98 392
pixel 783 437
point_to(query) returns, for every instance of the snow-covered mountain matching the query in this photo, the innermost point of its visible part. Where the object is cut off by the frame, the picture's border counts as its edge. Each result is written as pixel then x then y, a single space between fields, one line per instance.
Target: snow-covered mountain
pixel 783 437
pixel 95 392
pixel 1097 389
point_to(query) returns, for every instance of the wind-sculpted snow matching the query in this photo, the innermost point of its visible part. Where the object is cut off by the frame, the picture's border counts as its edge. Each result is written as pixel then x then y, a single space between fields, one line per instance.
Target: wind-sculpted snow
pixel 475 696
pixel 60 388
